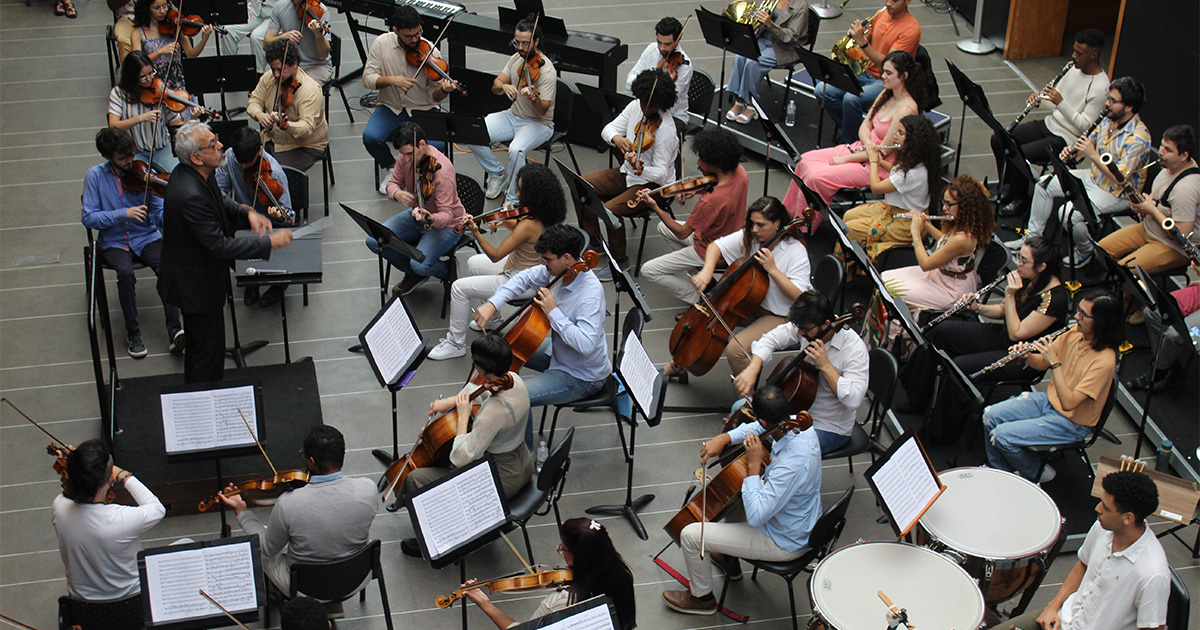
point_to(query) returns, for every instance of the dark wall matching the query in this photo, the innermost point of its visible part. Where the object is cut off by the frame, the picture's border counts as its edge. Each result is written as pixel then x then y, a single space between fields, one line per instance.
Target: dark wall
pixel 1159 47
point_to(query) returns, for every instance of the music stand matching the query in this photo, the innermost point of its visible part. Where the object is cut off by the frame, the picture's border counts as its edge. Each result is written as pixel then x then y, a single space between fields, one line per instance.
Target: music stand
pixel 829 72
pixel 605 105
pixel 974 97
pixel 481 100
pixel 587 196
pixel 552 26
pixel 385 238
pixel 1172 317
pixel 298 263
pixel 623 282
pixel 772 131
pixel 452 128
pixel 174 579
pixel 948 374
pixel 220 12
pixel 729 36
pixel 230 73
pixel 898 307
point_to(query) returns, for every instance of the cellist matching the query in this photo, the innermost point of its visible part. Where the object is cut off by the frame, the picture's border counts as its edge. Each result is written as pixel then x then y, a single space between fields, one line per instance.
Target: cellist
pixel 840 356
pixel 781 506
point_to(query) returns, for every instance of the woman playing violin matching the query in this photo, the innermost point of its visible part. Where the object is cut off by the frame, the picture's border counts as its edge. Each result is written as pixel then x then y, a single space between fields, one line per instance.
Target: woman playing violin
pixel 780 507
pixel 304 25
pixel 542 199
pixel 597 569
pixel 148 124
pixel 152 35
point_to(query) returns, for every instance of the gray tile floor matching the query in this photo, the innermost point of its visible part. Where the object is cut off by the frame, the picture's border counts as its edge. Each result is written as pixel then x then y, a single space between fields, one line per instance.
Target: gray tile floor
pixel 53 84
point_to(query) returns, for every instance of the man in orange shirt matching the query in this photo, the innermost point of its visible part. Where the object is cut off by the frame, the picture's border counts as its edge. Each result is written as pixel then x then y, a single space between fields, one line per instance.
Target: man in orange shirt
pixel 891 28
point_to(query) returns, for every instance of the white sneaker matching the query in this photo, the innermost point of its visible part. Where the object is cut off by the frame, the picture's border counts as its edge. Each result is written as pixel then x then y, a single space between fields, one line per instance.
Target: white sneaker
pixel 447 349
pixel 496 185
pixel 492 325
pixel 1015 245
pixel 1048 475
pixel 383 184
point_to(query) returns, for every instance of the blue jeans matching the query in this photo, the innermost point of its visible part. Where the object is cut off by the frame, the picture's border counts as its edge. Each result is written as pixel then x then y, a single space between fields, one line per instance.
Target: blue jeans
pixel 746 74
pixel 552 386
pixel 378 134
pixel 163 158
pixel 522 135
pixel 828 440
pixel 1027 420
pixel 847 110
pixel 433 243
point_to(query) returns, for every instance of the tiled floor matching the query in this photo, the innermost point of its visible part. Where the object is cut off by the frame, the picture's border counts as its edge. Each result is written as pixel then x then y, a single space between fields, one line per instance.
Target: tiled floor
pixel 53 86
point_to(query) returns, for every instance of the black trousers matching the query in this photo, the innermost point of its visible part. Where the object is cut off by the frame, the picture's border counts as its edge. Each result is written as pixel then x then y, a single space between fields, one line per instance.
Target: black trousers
pixel 204 354
pixel 1037 143
pixel 121 260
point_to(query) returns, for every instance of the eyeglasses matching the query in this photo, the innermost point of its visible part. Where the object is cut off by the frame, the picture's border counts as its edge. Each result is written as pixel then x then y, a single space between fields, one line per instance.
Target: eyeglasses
pixel 949 204
pixel 1082 314
pixel 516 43
pixel 1113 100
pixel 1021 260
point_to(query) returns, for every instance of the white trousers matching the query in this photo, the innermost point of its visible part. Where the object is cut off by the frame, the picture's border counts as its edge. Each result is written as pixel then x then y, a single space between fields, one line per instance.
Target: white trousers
pixel 672 271
pixel 738 540
pixel 484 277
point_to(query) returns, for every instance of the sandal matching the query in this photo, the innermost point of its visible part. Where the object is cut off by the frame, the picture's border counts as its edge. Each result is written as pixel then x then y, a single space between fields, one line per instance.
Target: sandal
pixel 69 9
pixel 744 117
pixel 735 111
pixel 59 9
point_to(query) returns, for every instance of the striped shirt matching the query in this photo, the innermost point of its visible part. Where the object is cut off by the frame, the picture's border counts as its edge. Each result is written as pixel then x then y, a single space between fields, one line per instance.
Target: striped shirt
pixel 1129 145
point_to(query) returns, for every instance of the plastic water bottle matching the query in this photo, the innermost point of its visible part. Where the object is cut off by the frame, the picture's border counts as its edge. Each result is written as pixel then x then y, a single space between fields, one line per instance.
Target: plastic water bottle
pixel 1162 462
pixel 542 453
pixel 1195 334
pixel 789 117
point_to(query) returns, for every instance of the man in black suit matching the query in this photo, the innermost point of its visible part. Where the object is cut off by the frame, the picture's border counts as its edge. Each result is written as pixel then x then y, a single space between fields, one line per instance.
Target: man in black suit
pixel 198 246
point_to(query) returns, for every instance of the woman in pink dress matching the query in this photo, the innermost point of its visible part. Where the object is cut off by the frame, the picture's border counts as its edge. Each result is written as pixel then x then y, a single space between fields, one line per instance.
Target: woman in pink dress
pixel 826 171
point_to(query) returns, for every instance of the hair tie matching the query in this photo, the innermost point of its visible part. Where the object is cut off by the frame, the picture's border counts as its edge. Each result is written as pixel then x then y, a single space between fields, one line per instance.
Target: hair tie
pixel 593 525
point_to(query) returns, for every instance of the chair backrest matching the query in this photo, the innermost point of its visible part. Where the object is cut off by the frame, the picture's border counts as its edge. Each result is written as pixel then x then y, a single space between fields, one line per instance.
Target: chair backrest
pixel 554 469
pixel 932 100
pixel 994 260
pixel 123 614
pixel 881 383
pixel 814 27
pixel 1109 402
pixel 335 55
pixel 829 276
pixel 470 193
pixel 829 527
pixel 700 93
pixel 1179 605
pixel 336 580
pixel 298 191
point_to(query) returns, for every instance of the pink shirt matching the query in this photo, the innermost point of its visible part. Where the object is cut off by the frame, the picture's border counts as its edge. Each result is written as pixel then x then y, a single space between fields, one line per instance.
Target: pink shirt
pixel 444 204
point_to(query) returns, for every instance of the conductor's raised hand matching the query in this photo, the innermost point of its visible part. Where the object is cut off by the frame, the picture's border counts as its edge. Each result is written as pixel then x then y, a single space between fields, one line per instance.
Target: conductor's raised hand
pixel 280 238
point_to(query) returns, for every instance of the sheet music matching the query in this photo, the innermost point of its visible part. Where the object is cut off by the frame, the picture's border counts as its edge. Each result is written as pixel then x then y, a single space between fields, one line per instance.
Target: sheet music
pixel 639 374
pixel 174 580
pixel 906 484
pixel 204 420
pixel 594 618
pixel 458 510
pixel 393 341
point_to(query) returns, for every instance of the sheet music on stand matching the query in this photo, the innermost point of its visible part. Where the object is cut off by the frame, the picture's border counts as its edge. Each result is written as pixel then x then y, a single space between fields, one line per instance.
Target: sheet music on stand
pixel 643 380
pixel 205 418
pixel 596 613
pixel 905 483
pixel 172 577
pixel 458 513
pixel 392 342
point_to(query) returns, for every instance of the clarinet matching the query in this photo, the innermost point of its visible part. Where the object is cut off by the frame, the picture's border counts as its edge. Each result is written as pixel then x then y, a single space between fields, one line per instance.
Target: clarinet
pixel 1014 355
pixel 1168 224
pixel 974 297
pixel 1073 159
pixel 1038 99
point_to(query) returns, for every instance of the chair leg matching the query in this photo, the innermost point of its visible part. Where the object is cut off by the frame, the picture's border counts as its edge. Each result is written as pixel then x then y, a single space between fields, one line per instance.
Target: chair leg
pixel 542 425
pixel 445 296
pixel 637 269
pixel 721 599
pixel 387 608
pixel 553 425
pixel 792 601
pixel 850 464
pixel 571 152
pixel 327 177
pixel 345 101
pixel 528 546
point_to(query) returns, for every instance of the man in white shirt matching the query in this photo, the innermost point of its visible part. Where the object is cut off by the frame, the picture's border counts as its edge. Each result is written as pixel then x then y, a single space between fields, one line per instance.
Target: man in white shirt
pixel 666 33
pixel 841 358
pixel 1122 579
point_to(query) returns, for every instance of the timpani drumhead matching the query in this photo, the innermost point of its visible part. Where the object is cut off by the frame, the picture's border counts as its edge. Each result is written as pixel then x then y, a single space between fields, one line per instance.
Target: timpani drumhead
pixel 936 592
pixel 992 514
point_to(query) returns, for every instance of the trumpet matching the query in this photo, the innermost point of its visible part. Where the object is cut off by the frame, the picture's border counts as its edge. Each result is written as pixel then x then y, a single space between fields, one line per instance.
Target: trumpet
pixel 746 12
pixel 964 303
pixel 1073 159
pixel 886 147
pixel 1038 99
pixel 1016 354
pixel 931 217
pixel 1168 224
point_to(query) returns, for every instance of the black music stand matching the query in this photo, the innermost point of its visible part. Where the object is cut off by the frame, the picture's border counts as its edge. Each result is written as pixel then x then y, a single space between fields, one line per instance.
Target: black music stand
pixel 230 73
pixel 830 72
pixel 385 238
pixel 298 263
pixel 729 36
pixel 771 131
pixel 237 351
pixel 974 97
pixel 552 26
pixel 623 282
pixel 589 198
pixel 948 374
pixel 605 105
pixel 479 100
pixel 452 128
pixel 1075 194
pixel 220 12
pixel 895 304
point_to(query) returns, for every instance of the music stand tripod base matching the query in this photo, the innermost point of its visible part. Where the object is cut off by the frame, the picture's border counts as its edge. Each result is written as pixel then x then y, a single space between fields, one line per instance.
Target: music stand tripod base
pixel 825 11
pixel 976 45
pixel 630 512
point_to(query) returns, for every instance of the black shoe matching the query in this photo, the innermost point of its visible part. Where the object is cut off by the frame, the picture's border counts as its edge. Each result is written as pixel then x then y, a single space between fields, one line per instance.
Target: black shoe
pixel 272 296
pixel 409 284
pixel 1014 208
pixel 727 565
pixel 410 547
pixel 251 296
pixel 1142 382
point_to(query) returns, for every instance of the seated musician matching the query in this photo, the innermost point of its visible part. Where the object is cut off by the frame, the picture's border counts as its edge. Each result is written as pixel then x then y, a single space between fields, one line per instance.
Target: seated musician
pixel 303 613
pixel 1035 303
pixel 541 194
pixel 1173 355
pixel 575 363
pixel 892 28
pixel 947 271
pixel 659 54
pixel 127 112
pixel 1126 138
pixel 327 519
pixel 1081 364
pixel 781 506
pixel 785 30
pixel 100 541
pixel 786 265
pixel 441 209
pixel 165 48
pixel 1175 194
pixel 597 569
pixel 254 29
pixel 840 356
pixel 719 211
pixel 529 122
pixel 402 88
pixel 1076 101
pixel 652 166
pixel 128 225
pixel 827 171
pixel 296 133
pixel 910 185
pixel 1122 578
pixel 291 22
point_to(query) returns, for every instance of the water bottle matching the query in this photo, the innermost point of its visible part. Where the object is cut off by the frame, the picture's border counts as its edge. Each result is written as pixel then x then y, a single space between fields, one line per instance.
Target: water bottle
pixel 1162 462
pixel 789 118
pixel 542 453
pixel 1195 334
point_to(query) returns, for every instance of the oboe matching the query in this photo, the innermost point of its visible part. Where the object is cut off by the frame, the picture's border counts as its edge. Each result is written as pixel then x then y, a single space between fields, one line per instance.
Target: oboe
pixel 931 217
pixel 1073 159
pixel 964 303
pixel 1014 355
pixel 1038 98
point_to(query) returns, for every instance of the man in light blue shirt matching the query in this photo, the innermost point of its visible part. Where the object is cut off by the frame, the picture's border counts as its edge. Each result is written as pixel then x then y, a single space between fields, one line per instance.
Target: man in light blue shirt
pixel 781 507
pixel 574 363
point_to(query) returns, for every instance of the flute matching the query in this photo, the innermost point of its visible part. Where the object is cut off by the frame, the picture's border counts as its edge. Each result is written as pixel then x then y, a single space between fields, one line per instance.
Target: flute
pixel 964 303
pixel 1016 354
pixel 886 147
pixel 1038 98
pixel 931 217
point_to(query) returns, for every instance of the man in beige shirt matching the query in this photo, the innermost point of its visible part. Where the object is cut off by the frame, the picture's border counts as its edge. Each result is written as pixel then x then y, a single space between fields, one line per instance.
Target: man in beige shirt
pixel 295 133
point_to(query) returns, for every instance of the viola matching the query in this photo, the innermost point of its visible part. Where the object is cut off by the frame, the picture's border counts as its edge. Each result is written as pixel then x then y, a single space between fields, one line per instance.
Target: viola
pixel 140 175
pixel 543 577
pixel 187 24
pixel 502 214
pixel 671 63
pixel 60 467
pixel 643 137
pixel 312 10
pixel 157 93
pixel 267 189
pixel 797 377
pixel 280 483
pixel 436 68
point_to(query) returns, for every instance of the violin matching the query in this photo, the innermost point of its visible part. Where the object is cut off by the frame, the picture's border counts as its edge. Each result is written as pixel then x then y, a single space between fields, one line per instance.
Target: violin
pixel 543 577
pixel 643 137
pixel 501 214
pixel 268 190
pixel 312 10
pixel 531 68
pixel 284 99
pixel 140 175
pixel 432 447
pixel 700 336
pixel 436 68
pixel 280 483
pixel 189 25
pixel 157 93
pixel 797 377
pixel 704 183
pixel 671 63
pixel 60 467
pixel 424 170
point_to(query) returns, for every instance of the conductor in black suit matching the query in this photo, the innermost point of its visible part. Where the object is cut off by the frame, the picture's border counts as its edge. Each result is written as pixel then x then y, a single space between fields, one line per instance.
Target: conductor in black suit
pixel 198 248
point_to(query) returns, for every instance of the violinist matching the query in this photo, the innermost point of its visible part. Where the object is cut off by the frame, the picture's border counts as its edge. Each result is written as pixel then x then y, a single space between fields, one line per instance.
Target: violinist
pixel 129 224
pixel 784 30
pixel 649 143
pixel 529 80
pixel 149 125
pixel 303 23
pixel 327 519
pixel 429 196
pixel 290 106
pixel 597 569
pixel 153 34
pixel 497 428
pixel 841 357
pixel 100 541
pixel 541 195
pixel 781 507
pixel 666 53
pixel 719 211
pixel 402 88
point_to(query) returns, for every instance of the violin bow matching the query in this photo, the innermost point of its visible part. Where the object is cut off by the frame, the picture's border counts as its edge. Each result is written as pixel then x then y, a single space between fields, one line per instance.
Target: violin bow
pixel 516 553
pixel 223 609
pixel 529 53
pixel 17 623
pixel 162 97
pixel 640 137
pixel 433 45
pixel 34 423
pixel 713 309
pixel 257 443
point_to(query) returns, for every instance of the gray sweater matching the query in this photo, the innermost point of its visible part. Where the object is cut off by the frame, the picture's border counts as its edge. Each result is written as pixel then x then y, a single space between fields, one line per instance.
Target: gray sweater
pixel 321 521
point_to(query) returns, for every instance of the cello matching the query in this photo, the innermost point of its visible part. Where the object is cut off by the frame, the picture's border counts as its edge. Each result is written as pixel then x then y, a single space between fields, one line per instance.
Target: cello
pixel 798 378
